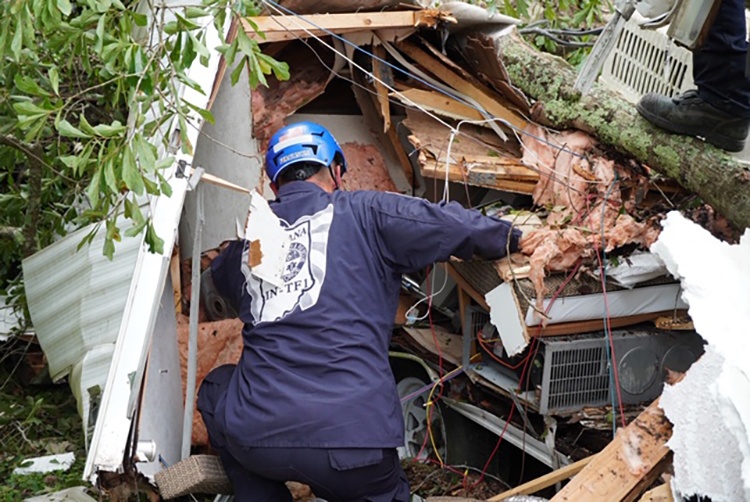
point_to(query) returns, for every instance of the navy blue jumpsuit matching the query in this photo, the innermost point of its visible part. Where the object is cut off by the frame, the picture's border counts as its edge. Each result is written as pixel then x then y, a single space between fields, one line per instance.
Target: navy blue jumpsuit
pixel 719 65
pixel 313 398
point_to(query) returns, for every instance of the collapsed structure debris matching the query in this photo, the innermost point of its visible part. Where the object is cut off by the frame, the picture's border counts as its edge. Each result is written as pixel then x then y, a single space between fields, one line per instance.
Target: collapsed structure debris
pixel 550 349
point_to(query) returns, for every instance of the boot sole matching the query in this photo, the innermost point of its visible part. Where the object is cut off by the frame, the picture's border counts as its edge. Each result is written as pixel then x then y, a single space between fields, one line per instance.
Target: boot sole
pixel 718 140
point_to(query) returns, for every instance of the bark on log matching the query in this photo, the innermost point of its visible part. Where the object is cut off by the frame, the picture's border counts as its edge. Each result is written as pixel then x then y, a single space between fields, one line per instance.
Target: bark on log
pixel 712 174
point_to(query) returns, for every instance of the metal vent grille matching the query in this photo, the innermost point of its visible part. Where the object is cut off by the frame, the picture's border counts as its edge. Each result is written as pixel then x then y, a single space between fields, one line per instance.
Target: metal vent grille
pixel 474 321
pixel 577 377
pixel 644 61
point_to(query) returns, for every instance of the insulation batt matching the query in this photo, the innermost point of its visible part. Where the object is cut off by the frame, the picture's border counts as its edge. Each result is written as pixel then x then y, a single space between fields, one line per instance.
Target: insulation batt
pixel 710 407
pixel 582 190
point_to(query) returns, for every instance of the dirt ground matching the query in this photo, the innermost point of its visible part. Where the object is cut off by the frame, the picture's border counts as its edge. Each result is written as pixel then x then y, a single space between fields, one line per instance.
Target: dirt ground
pixel 431 480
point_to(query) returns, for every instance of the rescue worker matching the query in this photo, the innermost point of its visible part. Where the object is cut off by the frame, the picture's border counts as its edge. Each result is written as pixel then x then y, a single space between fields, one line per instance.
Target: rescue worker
pixel 719 108
pixel 313 398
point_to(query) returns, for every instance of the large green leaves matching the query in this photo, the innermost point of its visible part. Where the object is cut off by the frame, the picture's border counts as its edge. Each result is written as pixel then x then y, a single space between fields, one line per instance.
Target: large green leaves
pixel 89 90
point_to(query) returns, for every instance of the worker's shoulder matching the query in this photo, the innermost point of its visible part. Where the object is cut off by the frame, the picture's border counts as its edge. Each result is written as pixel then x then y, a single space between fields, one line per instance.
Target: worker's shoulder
pixel 380 199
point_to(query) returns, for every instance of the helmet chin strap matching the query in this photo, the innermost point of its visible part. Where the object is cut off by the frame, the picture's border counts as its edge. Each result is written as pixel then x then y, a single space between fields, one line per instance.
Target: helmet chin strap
pixel 333 176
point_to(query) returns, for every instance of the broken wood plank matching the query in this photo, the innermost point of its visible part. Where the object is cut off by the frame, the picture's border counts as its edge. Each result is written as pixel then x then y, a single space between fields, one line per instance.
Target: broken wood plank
pixel 370 108
pixel 496 179
pixel 438 103
pixel 662 493
pixel 576 327
pixel 628 465
pixel 489 101
pixel 176 276
pixel 464 285
pixel 480 53
pixel 278 28
pixel 545 481
pixel 383 76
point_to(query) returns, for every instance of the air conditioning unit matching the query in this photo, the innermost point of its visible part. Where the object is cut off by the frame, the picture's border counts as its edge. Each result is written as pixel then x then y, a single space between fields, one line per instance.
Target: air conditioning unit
pixel 569 373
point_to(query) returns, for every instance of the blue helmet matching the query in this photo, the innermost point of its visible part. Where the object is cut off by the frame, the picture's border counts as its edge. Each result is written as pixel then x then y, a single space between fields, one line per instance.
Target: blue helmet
pixel 302 142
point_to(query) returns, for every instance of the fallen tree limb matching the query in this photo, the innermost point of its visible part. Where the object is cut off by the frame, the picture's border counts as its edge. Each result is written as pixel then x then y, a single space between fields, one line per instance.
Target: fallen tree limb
pixel 710 173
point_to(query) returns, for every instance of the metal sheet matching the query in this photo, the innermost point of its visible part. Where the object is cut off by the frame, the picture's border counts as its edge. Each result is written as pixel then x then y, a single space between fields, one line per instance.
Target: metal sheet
pixel 76 297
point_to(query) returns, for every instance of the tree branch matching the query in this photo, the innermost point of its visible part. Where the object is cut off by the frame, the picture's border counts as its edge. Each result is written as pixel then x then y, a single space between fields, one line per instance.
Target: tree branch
pixel 35 156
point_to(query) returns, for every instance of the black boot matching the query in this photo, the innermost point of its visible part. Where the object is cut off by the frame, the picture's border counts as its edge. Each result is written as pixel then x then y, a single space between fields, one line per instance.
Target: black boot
pixel 689 114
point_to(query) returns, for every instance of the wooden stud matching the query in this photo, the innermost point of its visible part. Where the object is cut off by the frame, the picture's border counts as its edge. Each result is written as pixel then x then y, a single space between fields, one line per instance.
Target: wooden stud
pixel 277 28
pixel 438 103
pixel 545 481
pixel 626 466
pixel 488 101
pixel 382 76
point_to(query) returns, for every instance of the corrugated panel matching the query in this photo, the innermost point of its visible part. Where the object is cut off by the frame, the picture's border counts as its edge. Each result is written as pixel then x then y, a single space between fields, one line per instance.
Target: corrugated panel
pixel 77 297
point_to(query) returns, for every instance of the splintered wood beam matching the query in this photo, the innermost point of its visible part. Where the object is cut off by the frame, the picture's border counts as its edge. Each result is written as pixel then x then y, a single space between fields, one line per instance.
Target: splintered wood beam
pixel 628 465
pixel 489 101
pixel 506 177
pixel 438 103
pixel 277 28
pixel 383 76
pixel 545 481
pixel 662 493
pixel 369 105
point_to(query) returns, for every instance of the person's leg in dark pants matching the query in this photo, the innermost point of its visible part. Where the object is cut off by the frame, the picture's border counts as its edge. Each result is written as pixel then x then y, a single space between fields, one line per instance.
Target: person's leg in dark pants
pixel 719 65
pixel 719 109
pixel 336 475
pixel 248 487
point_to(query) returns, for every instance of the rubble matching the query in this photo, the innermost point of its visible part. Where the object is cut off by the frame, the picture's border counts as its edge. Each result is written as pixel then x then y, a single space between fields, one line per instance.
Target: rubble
pixel 550 348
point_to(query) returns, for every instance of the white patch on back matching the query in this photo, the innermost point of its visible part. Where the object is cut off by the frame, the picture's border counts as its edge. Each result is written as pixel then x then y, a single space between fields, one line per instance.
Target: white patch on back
pixel 303 274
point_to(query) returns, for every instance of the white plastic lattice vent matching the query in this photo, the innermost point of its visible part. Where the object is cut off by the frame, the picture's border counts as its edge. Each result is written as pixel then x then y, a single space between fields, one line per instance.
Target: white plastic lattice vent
pixel 644 61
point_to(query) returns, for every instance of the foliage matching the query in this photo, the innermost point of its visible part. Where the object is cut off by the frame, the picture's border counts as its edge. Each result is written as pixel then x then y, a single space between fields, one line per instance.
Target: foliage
pixel 88 89
pixel 557 22
pixel 44 423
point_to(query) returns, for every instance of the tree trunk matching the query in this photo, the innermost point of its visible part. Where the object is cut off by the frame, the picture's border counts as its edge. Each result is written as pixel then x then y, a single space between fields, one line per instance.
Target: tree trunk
pixel 712 174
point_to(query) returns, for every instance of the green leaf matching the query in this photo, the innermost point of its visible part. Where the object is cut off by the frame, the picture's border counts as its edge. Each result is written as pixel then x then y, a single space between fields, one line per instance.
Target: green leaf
pixel 140 19
pixel 164 185
pixel 29 108
pixel 199 46
pixel 70 161
pixel 171 28
pixel 17 43
pixel 110 130
pixel 100 28
pixel 67 130
pixel 238 70
pixel 93 189
pixel 108 249
pixel 29 86
pixel 145 154
pixel 85 126
pixel 207 115
pixel 130 173
pixel 109 176
pixel 187 147
pixel 54 79
pixel 279 68
pixel 155 243
pixel 193 12
pixel 136 229
pixel 151 187
pixel 64 7
pixel 188 25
